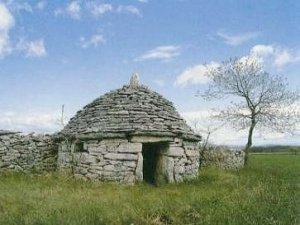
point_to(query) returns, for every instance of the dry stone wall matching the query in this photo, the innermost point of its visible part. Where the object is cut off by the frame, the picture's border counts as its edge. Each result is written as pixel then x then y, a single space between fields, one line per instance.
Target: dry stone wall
pixel 223 157
pixel 110 160
pixel 27 152
pixel 180 161
pixel 121 160
pixel 135 110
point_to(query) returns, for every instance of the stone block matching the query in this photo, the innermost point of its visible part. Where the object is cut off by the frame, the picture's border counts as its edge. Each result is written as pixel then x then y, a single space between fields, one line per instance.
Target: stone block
pixel 113 141
pixel 121 156
pixel 192 153
pixel 109 168
pixel 139 168
pixel 130 164
pixel 179 170
pixel 165 170
pixel 129 147
pixel 175 151
pixel 146 139
pixel 108 174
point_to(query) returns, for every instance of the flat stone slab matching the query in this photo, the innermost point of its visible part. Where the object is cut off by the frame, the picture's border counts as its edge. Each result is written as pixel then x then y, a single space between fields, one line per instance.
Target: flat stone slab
pixel 121 156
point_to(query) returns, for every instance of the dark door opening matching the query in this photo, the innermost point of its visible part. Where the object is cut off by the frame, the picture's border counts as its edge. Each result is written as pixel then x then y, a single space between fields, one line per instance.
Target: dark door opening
pixel 150 153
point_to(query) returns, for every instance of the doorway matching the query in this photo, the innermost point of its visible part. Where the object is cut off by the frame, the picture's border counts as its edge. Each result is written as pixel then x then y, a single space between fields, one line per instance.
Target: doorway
pixel 151 154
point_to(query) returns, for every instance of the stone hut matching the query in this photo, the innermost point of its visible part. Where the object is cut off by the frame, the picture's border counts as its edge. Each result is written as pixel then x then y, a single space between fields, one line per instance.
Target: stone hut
pixel 129 135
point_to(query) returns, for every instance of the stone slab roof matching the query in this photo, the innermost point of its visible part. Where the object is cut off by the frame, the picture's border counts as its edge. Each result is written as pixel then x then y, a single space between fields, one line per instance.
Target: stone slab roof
pixel 131 110
pixel 7 132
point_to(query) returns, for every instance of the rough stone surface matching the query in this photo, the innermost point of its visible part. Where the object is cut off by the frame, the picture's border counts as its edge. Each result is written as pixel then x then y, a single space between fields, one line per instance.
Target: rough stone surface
pixel 134 111
pixel 103 160
pixel 224 158
pixel 123 161
pixel 27 152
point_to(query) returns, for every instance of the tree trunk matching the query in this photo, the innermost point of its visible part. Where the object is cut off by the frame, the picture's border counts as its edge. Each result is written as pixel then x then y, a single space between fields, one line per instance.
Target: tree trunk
pixel 249 143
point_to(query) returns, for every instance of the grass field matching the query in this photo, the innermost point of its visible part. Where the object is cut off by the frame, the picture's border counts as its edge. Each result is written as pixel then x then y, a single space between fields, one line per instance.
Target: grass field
pixel 265 192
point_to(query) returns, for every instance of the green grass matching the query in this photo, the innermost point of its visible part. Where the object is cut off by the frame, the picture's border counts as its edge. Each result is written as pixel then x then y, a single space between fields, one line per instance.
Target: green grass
pixel 265 192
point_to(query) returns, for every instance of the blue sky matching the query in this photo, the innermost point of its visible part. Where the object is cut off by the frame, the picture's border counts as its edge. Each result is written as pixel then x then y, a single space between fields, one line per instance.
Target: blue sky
pixel 70 52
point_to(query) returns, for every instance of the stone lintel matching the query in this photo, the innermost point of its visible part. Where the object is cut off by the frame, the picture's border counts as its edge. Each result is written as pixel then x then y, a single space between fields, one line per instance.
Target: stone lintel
pixel 150 139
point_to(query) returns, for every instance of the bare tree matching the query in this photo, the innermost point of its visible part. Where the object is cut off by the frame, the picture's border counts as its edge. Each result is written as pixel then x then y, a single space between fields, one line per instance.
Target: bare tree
pixel 259 99
pixel 206 126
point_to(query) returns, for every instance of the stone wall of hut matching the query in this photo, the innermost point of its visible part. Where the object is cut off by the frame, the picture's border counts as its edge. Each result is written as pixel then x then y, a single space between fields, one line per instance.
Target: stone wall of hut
pixel 180 161
pixel 111 159
pixel 27 152
pixel 122 160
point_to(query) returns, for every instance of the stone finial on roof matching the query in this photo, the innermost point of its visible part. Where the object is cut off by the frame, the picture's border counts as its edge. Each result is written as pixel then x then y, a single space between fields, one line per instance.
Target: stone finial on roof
pixel 134 80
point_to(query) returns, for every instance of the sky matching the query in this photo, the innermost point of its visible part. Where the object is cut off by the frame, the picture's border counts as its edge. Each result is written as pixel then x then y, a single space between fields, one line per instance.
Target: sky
pixel 55 53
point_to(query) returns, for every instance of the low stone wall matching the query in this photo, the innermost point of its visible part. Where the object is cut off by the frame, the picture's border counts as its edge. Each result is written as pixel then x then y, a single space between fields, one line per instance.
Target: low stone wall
pixel 27 152
pixel 223 157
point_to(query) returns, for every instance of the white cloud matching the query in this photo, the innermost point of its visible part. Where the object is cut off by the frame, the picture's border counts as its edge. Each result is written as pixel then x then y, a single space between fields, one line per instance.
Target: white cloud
pixel 6 23
pixel 285 57
pixel 268 55
pixel 30 122
pixel 195 75
pixel 276 56
pixel 224 135
pixel 36 48
pixel 98 9
pixel 164 53
pixel 202 123
pixel 143 1
pixel 128 9
pixel 93 41
pixel 32 48
pixel 73 9
pixel 262 50
pixel 77 8
pixel 41 5
pixel 237 39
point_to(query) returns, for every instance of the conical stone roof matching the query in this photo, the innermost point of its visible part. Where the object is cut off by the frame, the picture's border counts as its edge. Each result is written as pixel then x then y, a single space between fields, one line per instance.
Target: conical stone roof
pixel 131 110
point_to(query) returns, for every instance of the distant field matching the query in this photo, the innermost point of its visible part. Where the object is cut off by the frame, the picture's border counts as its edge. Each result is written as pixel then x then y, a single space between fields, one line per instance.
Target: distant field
pixel 264 193
pixel 276 149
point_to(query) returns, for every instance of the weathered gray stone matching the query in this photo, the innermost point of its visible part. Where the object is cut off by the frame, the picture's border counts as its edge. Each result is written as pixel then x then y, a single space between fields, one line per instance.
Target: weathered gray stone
pixel 109 168
pixel 131 164
pixel 129 110
pixel 129 148
pixel 24 152
pixel 175 151
pixel 192 152
pixel 139 168
pixel 147 139
pixel 224 157
pixel 120 156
